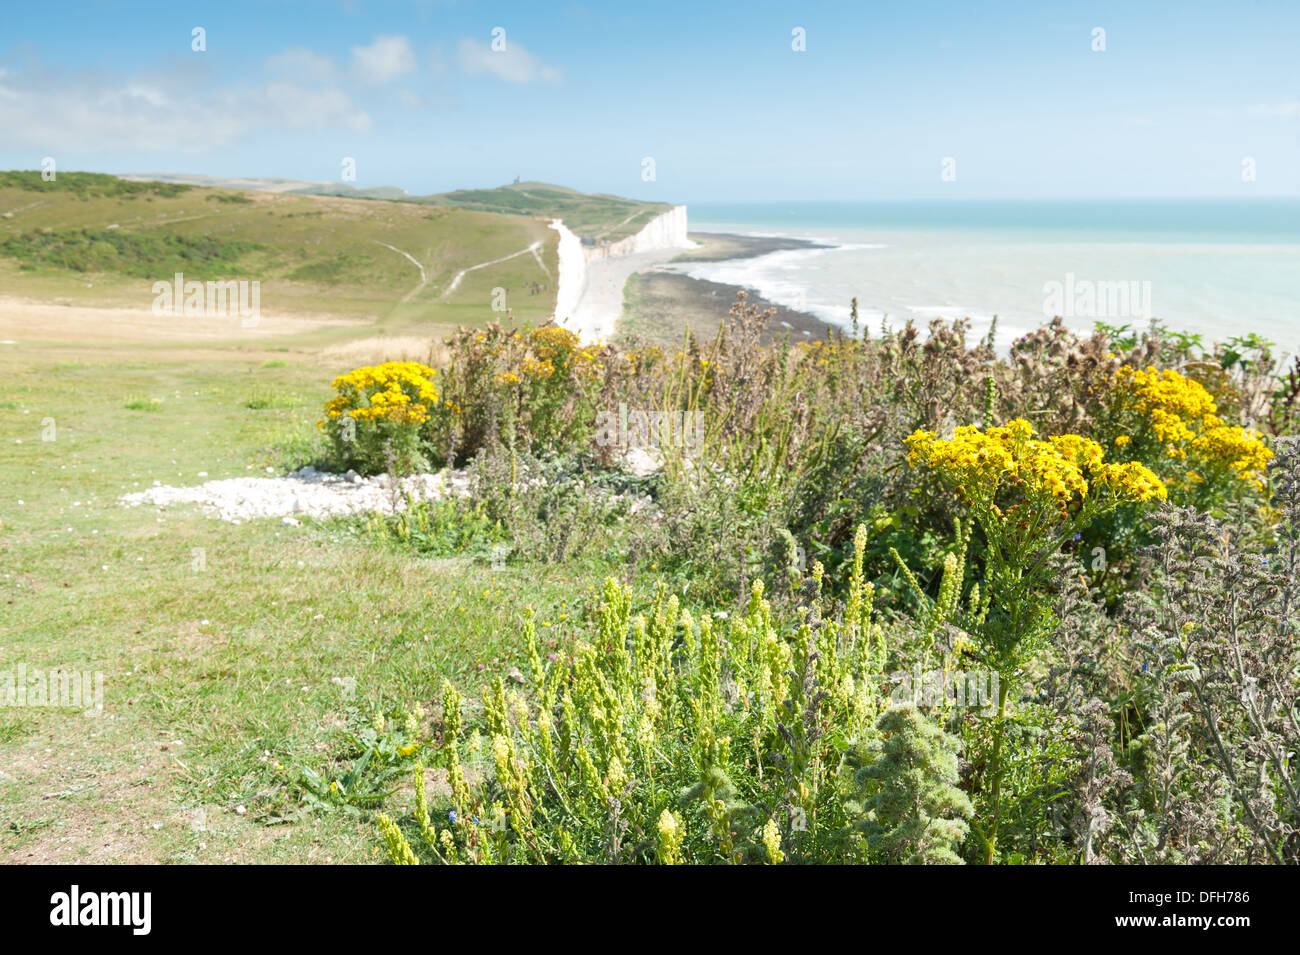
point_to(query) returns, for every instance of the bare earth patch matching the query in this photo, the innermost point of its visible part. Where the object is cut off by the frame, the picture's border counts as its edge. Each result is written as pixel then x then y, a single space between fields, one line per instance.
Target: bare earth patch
pixel 23 320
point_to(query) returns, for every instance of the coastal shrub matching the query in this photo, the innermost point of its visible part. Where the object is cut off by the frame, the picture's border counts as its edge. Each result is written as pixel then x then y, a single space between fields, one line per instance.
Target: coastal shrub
pixel 1029 497
pixel 517 509
pixel 805 439
pixel 552 509
pixel 374 420
pixel 142 254
pixel 531 389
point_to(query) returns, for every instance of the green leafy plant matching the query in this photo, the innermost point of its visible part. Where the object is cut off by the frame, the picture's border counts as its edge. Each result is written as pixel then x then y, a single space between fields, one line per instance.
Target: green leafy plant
pixel 671 739
pixel 916 813
pixel 1029 497
pixel 385 750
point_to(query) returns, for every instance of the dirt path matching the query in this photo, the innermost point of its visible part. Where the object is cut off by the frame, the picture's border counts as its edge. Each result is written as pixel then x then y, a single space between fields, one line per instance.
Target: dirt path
pixel 424 278
pixel 482 265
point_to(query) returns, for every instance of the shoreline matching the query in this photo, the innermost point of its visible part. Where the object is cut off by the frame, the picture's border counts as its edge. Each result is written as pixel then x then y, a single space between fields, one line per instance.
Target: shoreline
pixel 589 298
pixel 659 302
pixel 734 246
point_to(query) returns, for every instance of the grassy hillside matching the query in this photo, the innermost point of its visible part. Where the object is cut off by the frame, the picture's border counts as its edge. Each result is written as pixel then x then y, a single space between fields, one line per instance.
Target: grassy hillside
pixel 595 216
pixel 89 239
pixel 600 217
pixel 341 189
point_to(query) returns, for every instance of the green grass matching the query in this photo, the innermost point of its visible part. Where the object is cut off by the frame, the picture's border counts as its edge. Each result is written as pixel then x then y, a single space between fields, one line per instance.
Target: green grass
pixel 101 241
pixel 595 216
pixel 87 185
pixel 264 398
pixel 218 642
pixel 143 255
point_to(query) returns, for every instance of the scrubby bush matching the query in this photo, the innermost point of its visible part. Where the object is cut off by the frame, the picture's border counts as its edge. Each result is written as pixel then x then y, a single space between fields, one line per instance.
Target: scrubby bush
pixel 374 421
pixel 1145 701
pixel 531 389
pixel 142 254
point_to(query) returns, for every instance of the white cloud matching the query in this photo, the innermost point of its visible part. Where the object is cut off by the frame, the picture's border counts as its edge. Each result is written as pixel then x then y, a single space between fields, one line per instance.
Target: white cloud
pixel 1280 109
pixel 88 114
pixel 287 104
pixel 387 58
pixel 514 64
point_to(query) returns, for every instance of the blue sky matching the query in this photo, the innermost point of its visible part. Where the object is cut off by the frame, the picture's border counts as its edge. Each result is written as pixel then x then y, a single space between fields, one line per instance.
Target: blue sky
pixel 1013 92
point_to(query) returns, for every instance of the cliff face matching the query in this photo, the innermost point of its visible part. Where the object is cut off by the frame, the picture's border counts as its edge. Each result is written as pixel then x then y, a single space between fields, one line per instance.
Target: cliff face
pixel 589 297
pixel 573 271
pixel 666 231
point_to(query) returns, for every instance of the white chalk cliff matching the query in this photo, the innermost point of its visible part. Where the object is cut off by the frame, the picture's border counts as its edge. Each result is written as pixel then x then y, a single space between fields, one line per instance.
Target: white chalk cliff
pixel 589 298
pixel 573 271
pixel 663 232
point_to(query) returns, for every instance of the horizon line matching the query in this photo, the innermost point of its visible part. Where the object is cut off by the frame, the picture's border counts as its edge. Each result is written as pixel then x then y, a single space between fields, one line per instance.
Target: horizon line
pixel 1205 197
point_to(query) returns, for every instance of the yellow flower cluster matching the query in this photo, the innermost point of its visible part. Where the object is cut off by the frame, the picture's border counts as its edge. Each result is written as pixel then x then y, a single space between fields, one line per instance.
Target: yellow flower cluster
pixel 537 369
pixel 553 342
pixel 772 842
pixel 1171 429
pixel 671 835
pixel 1131 481
pixel 1060 468
pixel 544 352
pixel 1167 391
pixel 1183 416
pixel 1237 447
pixel 395 391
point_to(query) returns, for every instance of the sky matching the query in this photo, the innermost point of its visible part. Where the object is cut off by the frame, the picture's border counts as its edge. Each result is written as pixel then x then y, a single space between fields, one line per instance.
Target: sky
pixel 887 100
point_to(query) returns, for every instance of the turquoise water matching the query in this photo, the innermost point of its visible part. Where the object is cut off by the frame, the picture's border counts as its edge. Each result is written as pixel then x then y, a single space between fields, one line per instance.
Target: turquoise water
pixel 1214 267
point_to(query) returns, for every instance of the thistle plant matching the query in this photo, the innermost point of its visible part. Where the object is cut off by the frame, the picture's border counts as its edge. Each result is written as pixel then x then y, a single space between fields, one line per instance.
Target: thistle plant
pixel 1216 636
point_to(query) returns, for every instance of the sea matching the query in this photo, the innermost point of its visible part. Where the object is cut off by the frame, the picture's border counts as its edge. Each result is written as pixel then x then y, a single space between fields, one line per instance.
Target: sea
pixel 1218 268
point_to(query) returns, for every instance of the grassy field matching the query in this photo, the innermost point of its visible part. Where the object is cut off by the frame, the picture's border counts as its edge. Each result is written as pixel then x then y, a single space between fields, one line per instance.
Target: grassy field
pixel 236 658
pixel 85 240
pixel 596 216
pixel 600 217
pixel 218 642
